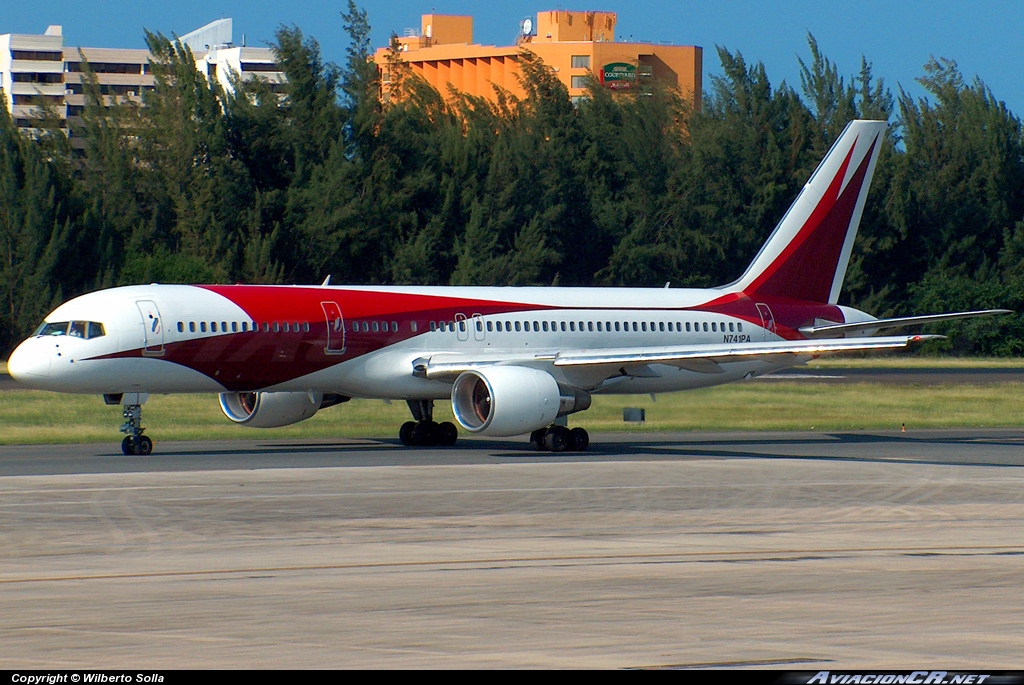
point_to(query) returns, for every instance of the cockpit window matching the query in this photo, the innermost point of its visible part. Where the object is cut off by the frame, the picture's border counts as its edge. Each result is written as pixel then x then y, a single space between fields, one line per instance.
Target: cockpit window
pixel 54 328
pixel 75 329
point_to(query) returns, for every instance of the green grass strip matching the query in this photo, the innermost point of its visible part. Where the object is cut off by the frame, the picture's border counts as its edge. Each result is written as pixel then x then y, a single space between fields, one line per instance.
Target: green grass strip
pixel 28 416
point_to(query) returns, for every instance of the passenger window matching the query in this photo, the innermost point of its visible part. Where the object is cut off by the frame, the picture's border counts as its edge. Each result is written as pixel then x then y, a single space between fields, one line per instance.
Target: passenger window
pixel 661 326
pixel 739 327
pixel 277 326
pixel 590 326
pixel 266 327
pixel 616 326
pixel 191 326
pixel 366 327
pixel 563 327
pixel 572 325
pixel 394 326
pixel 376 327
pixel 181 327
pixel 224 326
pixel 705 326
pixel 731 329
pixel 713 329
pixel 634 326
pixel 536 327
pixel 413 326
pixel 490 326
pixel 287 327
pixel 202 326
pixel 462 326
pixel 479 325
pixel 517 326
pixel 544 325
pixel 245 326
pixel 687 326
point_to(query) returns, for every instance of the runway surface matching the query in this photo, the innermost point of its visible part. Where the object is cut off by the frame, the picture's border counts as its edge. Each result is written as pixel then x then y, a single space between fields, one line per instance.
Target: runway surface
pixel 796 551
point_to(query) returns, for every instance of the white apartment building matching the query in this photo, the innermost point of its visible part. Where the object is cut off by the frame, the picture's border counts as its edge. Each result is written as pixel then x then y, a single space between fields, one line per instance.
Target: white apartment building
pixel 31 73
pixel 40 68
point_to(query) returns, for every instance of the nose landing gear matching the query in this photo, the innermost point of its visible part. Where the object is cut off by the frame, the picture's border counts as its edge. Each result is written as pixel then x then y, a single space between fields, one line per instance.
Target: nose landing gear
pixel 134 443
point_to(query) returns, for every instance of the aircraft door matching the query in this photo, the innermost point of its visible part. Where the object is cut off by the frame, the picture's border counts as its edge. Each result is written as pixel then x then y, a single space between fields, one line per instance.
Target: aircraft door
pixel 767 320
pixel 152 328
pixel 335 328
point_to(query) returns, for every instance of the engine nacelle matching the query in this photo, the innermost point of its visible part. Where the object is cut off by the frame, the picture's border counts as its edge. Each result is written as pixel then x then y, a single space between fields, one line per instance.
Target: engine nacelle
pixel 511 400
pixel 274 409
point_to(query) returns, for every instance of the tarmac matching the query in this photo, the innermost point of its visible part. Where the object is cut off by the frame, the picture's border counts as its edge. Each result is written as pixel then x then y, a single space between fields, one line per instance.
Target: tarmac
pixel 791 551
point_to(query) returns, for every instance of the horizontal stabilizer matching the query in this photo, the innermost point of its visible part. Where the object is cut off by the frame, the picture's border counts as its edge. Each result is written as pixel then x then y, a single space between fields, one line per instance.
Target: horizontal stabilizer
pixel 838 329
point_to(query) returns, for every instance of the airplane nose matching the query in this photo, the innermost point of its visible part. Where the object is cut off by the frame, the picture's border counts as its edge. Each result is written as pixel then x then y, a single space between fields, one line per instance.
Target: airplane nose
pixel 28 362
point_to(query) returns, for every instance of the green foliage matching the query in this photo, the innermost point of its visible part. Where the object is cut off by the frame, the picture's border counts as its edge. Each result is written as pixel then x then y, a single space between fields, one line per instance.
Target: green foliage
pixel 321 176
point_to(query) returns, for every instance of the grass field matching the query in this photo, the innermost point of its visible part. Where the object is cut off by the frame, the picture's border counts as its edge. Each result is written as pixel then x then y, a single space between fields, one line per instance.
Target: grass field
pixel 39 417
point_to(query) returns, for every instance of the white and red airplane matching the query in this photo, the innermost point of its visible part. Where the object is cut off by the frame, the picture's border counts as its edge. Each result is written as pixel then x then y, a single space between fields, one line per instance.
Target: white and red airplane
pixel 512 360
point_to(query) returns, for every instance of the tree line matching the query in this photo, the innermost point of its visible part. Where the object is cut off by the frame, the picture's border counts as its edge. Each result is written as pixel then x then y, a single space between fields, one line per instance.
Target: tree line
pixel 321 177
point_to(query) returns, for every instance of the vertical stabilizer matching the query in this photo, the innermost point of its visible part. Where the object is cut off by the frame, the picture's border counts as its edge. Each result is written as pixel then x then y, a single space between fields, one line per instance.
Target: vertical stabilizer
pixel 806 255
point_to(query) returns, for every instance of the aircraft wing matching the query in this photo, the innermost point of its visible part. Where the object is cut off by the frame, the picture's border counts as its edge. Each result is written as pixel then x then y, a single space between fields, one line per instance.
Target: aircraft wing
pixel 832 330
pixel 701 358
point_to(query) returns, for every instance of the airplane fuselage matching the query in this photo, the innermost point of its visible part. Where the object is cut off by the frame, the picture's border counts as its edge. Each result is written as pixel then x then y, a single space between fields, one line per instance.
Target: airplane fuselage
pixel 366 342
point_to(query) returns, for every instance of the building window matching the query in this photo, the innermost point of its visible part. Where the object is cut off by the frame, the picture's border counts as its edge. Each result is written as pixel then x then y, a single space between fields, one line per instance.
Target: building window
pixel 581 61
pixel 580 81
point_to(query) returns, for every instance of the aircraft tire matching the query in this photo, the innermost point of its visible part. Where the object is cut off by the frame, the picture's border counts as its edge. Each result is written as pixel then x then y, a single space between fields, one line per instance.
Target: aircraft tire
pixel 579 440
pixel 126 446
pixel 537 440
pixel 405 433
pixel 143 445
pixel 447 434
pixel 424 433
pixel 557 438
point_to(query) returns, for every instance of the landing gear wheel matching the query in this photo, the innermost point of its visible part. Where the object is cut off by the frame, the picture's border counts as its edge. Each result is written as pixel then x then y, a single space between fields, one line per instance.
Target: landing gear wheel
pixel 424 433
pixel 579 440
pixel 405 433
pixel 143 445
pixel 447 434
pixel 557 439
pixel 137 445
pixel 537 440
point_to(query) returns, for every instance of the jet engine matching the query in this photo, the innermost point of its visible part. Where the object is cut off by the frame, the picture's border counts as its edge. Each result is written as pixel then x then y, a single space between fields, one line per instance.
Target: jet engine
pixel 511 400
pixel 273 409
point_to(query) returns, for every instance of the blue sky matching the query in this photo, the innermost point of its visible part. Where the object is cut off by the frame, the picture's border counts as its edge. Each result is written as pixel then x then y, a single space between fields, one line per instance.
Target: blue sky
pixel 986 38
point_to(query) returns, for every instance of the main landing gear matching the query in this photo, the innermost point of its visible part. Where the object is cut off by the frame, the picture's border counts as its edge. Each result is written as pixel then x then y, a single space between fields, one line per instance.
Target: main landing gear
pixel 560 439
pixel 424 432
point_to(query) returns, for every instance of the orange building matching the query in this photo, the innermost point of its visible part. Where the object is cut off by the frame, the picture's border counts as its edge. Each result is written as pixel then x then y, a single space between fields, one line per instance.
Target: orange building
pixel 574 44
